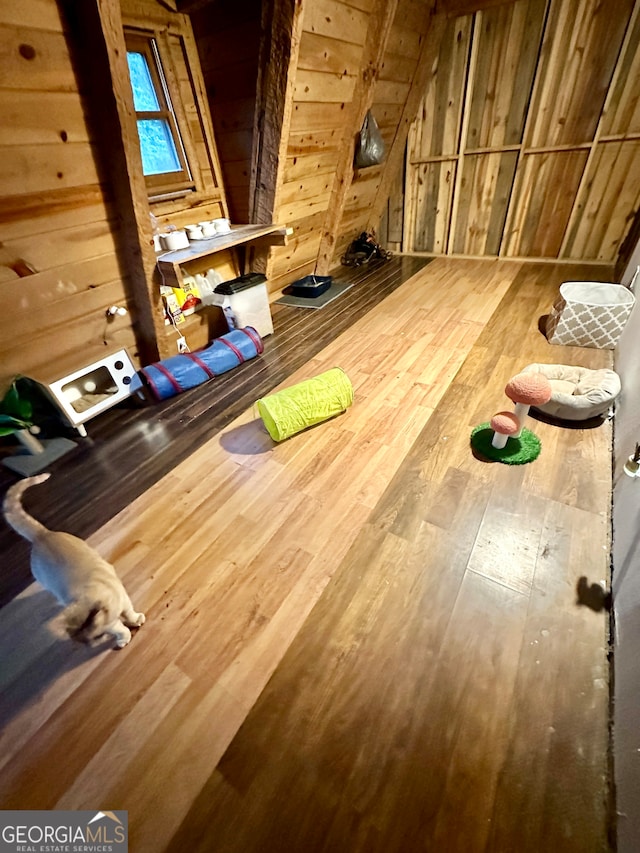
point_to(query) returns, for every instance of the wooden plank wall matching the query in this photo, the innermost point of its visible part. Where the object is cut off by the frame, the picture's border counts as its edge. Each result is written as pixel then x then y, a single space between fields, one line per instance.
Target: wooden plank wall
pixel 328 76
pixel 59 267
pixel 391 91
pixel 228 42
pixel 61 253
pixel 526 141
pixel 328 65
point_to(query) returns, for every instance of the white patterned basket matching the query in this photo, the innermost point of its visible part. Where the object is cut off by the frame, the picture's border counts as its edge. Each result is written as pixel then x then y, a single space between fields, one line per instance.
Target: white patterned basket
pixel 589 314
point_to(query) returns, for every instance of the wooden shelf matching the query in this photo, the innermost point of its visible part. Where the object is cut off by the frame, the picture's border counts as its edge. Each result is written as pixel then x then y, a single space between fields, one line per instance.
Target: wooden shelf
pixel 249 244
pixel 241 235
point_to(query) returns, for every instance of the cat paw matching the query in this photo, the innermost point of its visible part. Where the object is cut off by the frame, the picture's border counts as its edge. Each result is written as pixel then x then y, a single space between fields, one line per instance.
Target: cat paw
pixel 133 619
pixel 123 639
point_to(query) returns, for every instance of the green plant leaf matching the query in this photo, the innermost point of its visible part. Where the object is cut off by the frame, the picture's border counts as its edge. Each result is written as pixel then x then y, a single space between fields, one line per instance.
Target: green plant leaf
pixel 13 405
pixel 9 424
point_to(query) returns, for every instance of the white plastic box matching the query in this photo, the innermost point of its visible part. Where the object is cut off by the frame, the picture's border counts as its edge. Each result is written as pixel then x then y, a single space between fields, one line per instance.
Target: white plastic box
pixel 245 302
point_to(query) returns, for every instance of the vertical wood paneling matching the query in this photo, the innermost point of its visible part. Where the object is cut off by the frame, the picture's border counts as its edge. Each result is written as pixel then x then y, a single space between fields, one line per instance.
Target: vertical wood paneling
pixel 437 128
pixel 579 52
pixel 506 62
pixel 623 110
pixel 548 82
pixel 482 207
pixel 613 189
pixel 433 197
pixel 545 188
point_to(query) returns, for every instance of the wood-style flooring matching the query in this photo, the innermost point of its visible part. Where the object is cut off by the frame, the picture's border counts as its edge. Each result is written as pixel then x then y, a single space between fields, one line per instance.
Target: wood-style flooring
pixel 130 447
pixel 361 639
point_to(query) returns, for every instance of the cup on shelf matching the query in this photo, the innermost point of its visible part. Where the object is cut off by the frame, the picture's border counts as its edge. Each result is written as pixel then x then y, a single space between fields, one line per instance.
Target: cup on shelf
pixel 222 226
pixel 175 240
pixel 208 229
pixel 194 232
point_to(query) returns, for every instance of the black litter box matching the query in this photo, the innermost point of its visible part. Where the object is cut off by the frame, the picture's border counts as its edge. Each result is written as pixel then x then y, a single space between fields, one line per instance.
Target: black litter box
pixel 311 286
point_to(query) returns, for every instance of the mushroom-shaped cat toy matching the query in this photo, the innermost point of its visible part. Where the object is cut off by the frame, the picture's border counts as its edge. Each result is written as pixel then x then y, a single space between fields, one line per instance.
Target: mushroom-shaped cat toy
pixel 527 389
pixel 504 424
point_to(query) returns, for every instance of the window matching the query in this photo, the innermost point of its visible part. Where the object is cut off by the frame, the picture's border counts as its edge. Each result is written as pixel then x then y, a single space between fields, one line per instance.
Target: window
pixel 164 163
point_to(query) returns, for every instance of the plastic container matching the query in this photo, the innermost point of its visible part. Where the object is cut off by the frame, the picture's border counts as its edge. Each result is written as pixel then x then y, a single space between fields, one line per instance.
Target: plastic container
pixel 245 302
pixel 311 286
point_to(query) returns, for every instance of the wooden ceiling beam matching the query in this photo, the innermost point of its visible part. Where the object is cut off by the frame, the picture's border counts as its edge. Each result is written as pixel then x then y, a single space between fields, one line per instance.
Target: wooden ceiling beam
pixel 281 34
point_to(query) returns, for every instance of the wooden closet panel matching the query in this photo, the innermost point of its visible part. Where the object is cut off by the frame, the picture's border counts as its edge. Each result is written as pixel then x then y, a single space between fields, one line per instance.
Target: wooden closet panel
pixel 308 165
pixel 302 246
pixel 612 189
pixel 313 143
pixel 327 71
pixel 544 192
pixel 310 186
pixel 508 40
pixel 482 203
pixel 308 117
pixel 581 45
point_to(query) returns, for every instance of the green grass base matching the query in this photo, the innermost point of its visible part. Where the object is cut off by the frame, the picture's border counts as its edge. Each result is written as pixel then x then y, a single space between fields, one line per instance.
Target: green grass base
pixel 517 451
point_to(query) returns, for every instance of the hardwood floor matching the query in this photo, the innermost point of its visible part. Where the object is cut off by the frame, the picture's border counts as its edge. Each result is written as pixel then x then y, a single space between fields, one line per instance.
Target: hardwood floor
pixel 131 447
pixel 363 638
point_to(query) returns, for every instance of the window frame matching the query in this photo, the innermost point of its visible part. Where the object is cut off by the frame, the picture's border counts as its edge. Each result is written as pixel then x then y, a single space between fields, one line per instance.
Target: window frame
pixel 165 183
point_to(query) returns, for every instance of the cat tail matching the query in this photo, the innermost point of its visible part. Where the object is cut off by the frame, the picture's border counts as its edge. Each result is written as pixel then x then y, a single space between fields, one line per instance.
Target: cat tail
pixel 16 516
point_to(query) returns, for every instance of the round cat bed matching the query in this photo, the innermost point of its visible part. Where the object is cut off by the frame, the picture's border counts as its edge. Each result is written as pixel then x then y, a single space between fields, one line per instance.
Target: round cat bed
pixel 578 393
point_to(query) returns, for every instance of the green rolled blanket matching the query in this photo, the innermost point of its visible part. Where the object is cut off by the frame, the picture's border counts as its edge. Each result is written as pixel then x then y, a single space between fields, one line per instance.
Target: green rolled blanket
pixel 293 409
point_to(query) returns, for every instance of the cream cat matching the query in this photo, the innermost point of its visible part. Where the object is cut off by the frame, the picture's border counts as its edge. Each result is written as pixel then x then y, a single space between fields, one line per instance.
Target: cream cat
pixel 94 598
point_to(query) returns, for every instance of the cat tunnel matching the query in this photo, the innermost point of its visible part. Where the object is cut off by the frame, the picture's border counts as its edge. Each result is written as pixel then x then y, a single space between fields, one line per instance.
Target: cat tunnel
pixel 308 403
pixel 178 373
